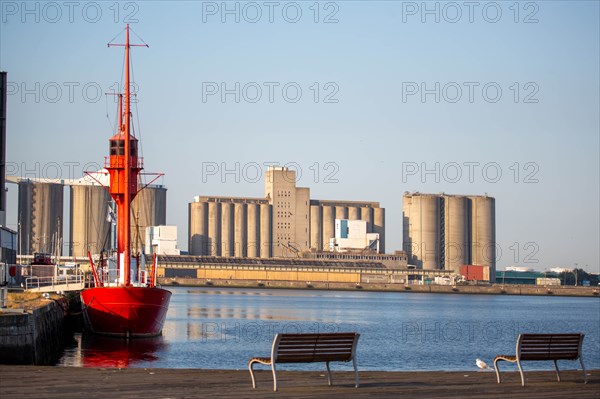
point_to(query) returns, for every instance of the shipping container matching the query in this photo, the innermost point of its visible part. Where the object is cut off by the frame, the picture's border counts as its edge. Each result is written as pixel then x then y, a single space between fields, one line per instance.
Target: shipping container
pixel 475 272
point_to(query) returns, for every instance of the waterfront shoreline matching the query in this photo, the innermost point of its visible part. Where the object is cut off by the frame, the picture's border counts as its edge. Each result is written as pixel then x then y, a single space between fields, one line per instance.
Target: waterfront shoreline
pixel 49 382
pixel 494 289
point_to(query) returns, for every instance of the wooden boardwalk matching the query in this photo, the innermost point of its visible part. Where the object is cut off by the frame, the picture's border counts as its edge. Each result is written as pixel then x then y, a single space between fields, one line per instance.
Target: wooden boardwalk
pixel 33 382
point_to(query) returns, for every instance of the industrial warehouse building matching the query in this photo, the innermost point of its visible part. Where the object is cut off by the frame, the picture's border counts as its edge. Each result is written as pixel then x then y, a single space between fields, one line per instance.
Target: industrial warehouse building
pixel 284 223
pixel 442 231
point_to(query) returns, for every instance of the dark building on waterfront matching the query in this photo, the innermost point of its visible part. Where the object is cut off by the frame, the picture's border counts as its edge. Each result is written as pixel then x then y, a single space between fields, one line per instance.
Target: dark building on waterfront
pixel 3 99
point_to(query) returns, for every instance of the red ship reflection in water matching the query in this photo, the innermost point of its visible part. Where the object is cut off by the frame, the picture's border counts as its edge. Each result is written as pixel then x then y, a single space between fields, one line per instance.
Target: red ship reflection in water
pixel 101 351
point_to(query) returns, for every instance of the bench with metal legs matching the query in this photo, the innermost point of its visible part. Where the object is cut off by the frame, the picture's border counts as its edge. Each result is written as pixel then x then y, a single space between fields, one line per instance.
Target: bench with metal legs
pixel 309 348
pixel 540 347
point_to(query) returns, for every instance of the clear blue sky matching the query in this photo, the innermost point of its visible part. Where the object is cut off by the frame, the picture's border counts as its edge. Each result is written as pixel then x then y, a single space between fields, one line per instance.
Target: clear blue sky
pixel 517 92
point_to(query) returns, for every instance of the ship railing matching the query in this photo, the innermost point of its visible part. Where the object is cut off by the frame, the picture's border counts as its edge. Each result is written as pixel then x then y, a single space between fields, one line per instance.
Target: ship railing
pixel 55 283
pixel 120 163
pixel 111 277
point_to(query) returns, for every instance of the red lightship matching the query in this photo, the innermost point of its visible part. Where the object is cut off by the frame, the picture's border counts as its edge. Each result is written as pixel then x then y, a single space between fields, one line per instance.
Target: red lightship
pixel 125 301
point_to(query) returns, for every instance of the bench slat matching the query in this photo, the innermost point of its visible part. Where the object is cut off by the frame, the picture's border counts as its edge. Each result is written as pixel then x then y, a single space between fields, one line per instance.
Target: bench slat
pixel 315 347
pixel 308 348
pixel 550 346
pixel 315 350
pixel 313 359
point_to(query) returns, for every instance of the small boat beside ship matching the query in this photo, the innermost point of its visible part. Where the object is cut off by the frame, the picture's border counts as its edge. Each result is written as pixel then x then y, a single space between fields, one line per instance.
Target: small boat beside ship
pixel 124 299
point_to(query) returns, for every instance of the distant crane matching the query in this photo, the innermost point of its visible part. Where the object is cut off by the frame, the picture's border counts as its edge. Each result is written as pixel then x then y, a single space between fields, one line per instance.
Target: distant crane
pixel 292 248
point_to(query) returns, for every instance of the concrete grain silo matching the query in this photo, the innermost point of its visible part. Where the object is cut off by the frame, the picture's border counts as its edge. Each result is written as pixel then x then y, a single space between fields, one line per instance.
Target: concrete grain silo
pixel 341 212
pixel 379 226
pixel 40 217
pixel 329 213
pixel 456 233
pixel 253 230
pixel 422 230
pixel 366 214
pixel 483 232
pixel 353 213
pixel 149 208
pixel 240 232
pixel 214 228
pixel 198 228
pixel 226 229
pixel 89 227
pixel 316 226
pixel 266 230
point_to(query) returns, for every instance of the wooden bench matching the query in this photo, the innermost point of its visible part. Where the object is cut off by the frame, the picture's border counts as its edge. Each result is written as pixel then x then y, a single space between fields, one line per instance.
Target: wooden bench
pixel 544 347
pixel 309 348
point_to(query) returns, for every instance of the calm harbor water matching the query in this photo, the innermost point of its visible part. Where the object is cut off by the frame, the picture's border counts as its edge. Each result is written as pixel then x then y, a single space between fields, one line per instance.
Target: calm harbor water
pixel 221 328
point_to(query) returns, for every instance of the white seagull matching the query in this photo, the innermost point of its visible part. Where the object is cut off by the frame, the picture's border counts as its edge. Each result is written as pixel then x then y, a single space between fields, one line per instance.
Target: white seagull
pixel 481 364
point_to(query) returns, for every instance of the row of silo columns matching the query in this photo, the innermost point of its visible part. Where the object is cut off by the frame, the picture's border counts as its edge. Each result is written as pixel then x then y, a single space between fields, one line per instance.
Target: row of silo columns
pixel 231 229
pixel 448 231
pixel 40 217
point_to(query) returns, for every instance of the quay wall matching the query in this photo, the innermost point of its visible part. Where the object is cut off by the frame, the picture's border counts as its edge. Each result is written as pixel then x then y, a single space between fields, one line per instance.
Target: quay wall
pixel 35 337
pixel 351 284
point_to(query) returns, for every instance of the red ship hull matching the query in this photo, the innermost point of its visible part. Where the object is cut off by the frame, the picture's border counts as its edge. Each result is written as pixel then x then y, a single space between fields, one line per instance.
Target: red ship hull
pixel 125 311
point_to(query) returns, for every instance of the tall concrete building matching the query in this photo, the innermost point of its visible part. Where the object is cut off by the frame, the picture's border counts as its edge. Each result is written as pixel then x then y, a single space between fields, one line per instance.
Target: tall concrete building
pixel 291 208
pixel 442 231
pixel 3 99
pixel 284 223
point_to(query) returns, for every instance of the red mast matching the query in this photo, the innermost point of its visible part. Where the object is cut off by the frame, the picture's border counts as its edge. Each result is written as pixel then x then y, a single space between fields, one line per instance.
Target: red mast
pixel 124 167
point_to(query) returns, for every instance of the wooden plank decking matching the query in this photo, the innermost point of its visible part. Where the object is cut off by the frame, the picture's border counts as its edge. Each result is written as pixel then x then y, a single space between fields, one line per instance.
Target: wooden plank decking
pixel 34 382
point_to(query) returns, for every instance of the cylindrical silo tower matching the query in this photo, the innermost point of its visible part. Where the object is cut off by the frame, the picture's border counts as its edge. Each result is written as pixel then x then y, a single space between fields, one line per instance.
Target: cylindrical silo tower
pixel 240 227
pixel 227 229
pixel 379 226
pixel 214 228
pixel 341 212
pixel 149 208
pixel 422 230
pixel 253 230
pixel 90 228
pixel 366 214
pixel 266 230
pixel 25 210
pixel 456 232
pixel 198 228
pixel 328 226
pixel 483 232
pixel 316 224
pixel 353 213
pixel 40 217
